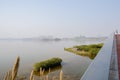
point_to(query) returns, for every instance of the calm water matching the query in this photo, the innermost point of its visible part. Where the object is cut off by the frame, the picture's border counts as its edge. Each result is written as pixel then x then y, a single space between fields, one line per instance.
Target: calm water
pixel 31 52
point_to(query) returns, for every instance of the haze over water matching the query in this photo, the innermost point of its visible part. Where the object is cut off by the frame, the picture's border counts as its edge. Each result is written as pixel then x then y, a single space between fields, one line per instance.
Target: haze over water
pixel 31 52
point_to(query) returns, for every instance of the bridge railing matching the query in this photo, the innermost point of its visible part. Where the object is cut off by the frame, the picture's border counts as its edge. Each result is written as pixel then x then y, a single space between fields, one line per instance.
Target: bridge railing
pixel 100 66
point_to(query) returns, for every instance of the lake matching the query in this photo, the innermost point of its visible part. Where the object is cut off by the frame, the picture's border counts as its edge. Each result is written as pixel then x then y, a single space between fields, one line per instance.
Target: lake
pixel 30 52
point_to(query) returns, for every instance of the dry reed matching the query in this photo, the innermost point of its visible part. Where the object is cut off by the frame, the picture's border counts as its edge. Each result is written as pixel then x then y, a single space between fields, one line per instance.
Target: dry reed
pixel 15 68
pixel 11 75
pixel 61 75
pixel 31 75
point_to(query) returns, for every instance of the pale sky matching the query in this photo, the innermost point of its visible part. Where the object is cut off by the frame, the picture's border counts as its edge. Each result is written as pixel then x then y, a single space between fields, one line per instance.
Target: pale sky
pixel 59 18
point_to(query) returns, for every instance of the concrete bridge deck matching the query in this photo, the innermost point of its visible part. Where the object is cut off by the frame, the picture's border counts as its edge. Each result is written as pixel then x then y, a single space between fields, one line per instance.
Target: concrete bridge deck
pixel 118 52
pixel 106 65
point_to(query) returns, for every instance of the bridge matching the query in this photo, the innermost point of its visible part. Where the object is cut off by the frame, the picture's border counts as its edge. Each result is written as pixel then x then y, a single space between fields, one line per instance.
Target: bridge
pixel 106 65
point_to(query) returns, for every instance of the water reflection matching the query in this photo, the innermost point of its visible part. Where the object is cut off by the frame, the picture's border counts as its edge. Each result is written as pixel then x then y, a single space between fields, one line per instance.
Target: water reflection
pixel 91 56
pixel 53 69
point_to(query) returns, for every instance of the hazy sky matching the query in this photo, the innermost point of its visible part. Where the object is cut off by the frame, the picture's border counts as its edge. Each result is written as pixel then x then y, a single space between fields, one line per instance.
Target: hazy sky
pixel 62 18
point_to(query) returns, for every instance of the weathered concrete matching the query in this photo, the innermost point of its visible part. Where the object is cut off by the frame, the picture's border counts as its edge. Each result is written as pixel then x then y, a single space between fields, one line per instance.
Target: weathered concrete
pixel 104 66
pixel 118 51
pixel 113 75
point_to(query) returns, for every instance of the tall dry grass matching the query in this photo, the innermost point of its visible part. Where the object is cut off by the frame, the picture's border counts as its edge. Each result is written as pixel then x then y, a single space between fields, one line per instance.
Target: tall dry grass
pixel 46 77
pixel 12 74
pixel 61 75
pixel 31 75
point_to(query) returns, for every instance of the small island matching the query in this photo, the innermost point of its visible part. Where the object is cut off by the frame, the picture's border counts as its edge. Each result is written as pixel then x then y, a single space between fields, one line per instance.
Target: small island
pixel 86 50
pixel 47 64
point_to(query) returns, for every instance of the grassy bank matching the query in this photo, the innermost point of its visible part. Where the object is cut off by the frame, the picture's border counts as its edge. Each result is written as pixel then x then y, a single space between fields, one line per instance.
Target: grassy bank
pixel 86 50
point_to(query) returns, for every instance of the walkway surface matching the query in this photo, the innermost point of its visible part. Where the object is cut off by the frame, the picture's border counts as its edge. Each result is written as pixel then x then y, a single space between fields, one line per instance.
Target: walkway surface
pixel 118 52
pixel 113 73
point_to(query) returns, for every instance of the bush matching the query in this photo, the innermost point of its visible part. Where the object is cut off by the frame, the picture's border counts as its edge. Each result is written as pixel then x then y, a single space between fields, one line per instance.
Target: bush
pixel 47 64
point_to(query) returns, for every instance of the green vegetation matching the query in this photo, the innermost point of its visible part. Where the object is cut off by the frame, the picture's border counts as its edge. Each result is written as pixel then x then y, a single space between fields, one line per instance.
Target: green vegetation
pixel 86 50
pixel 50 63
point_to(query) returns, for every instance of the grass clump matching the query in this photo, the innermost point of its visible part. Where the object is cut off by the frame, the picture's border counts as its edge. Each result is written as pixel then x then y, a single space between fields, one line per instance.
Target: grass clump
pixel 50 63
pixel 86 50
